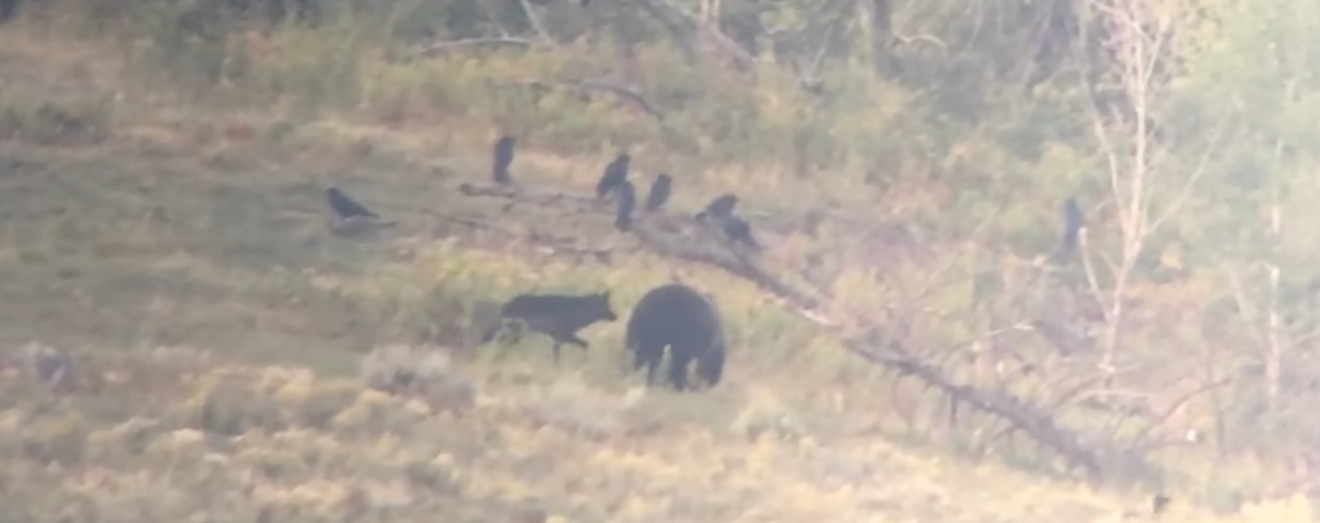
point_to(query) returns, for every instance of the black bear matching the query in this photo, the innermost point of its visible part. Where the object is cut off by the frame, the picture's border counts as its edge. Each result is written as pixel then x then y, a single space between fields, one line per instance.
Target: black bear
pixel 503 159
pixel 556 315
pixel 615 174
pixel 678 317
pixel 661 188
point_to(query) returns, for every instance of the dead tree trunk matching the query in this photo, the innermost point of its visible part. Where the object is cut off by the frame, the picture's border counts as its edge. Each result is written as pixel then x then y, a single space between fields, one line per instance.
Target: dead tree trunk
pixel 1021 416
pixel 1136 40
pixel 875 28
pixel 700 33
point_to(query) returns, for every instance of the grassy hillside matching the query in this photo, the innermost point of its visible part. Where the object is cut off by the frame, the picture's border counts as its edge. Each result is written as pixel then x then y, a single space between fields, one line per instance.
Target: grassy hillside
pixel 162 220
pixel 174 433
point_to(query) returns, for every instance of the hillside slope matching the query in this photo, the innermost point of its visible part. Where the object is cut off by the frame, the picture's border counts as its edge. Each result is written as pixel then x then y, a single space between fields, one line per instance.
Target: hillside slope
pixel 165 229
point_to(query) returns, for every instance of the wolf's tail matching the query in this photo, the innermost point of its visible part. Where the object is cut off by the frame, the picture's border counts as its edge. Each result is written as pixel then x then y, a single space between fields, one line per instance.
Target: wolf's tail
pixel 490 333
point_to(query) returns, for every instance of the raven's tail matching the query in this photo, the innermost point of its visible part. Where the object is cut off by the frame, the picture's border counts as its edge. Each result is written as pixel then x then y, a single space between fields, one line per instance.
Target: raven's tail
pixel 1069 241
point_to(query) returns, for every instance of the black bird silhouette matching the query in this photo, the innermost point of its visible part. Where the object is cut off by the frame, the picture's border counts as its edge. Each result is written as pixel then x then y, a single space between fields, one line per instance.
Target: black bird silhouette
pixel 1159 504
pixel 720 207
pixel 9 10
pixel 347 207
pixel 661 188
pixel 739 232
pixel 503 159
pixel 1072 225
pixel 627 202
pixel 615 174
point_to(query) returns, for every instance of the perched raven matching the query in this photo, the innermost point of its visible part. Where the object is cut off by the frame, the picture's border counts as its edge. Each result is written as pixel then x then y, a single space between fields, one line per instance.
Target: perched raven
pixel 615 173
pixel 353 218
pixel 738 231
pixel 503 158
pixel 1072 225
pixel 1159 504
pixel 661 188
pixel 720 207
pixel 627 203
pixel 347 207
pixel 8 10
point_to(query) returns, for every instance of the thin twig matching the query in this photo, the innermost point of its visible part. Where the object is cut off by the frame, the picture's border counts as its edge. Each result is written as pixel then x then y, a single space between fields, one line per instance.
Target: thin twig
pixel 440 47
pixel 535 21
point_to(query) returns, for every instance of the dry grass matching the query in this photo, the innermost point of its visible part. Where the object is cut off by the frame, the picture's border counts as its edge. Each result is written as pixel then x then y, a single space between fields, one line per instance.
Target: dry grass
pixel 175 434
pixel 129 223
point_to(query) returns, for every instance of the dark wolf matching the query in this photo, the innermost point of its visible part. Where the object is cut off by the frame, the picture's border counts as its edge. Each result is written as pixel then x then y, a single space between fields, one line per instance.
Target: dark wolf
pixel 688 324
pixel 1072 225
pixel 720 207
pixel 556 315
pixel 627 204
pixel 661 188
pixel 615 174
pixel 503 159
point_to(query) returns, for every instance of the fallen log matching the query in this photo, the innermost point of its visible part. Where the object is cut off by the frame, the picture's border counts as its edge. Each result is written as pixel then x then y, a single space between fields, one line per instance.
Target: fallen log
pixel 550 198
pixel 558 245
pixel 442 47
pixel 1021 416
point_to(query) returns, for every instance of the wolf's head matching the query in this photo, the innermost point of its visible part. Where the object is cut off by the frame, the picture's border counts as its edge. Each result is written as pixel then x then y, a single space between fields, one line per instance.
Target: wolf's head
pixel 596 307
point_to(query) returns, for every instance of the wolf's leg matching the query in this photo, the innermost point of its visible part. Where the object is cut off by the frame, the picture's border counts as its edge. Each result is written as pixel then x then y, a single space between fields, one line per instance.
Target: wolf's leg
pixel 573 339
pixel 518 330
pixel 492 332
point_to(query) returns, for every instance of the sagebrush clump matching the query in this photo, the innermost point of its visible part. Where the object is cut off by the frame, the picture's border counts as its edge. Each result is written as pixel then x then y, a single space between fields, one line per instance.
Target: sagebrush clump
pixel 424 372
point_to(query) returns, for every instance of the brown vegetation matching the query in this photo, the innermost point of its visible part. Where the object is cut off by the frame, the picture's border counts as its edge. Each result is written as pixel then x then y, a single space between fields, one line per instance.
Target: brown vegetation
pixel 162 170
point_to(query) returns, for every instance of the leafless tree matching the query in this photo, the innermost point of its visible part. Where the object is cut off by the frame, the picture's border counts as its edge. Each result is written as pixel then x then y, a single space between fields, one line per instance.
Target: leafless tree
pixel 1136 36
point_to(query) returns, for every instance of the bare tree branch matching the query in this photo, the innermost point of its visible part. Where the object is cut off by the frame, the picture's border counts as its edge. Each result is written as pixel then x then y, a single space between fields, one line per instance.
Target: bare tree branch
pixel 535 21
pixel 1022 416
pixel 1141 439
pixel 625 96
pixel 693 35
pixel 1186 189
pixel 442 47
